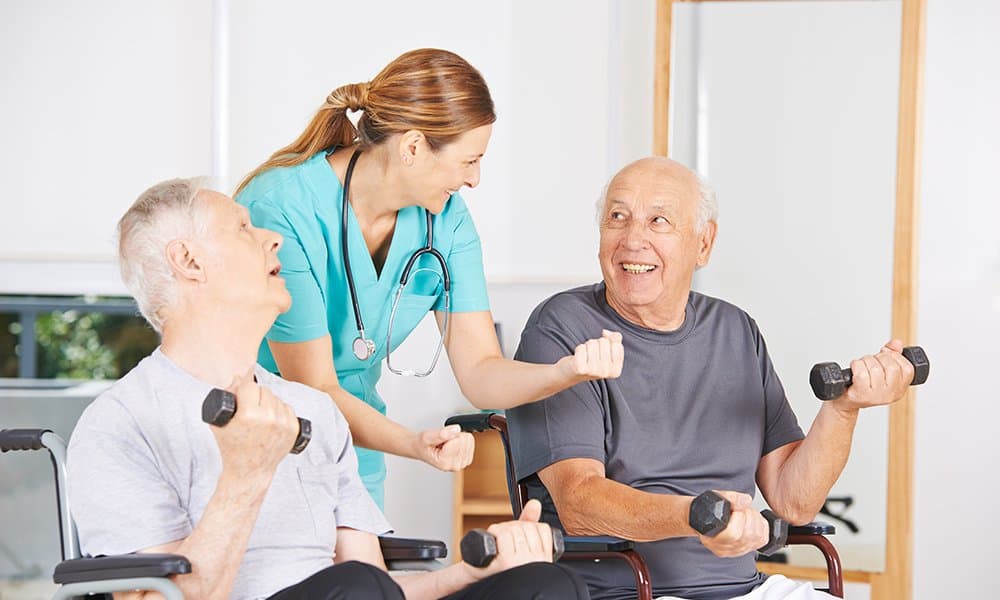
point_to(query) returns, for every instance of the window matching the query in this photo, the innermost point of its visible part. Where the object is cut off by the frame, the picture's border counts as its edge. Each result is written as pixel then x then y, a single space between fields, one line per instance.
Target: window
pixel 71 337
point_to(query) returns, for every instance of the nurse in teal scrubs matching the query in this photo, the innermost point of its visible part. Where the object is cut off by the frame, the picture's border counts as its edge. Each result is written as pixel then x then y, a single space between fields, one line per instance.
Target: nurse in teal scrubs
pixel 425 122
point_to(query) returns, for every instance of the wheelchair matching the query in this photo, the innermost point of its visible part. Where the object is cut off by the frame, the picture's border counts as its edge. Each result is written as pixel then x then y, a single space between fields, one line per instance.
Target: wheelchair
pixel 81 576
pixel 587 548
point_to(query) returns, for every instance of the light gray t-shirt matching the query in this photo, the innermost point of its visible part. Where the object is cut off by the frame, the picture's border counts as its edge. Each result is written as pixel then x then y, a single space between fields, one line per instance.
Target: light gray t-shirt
pixel 695 409
pixel 143 466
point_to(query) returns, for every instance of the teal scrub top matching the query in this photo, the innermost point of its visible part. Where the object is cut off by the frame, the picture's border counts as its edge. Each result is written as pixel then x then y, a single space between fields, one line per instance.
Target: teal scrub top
pixel 303 203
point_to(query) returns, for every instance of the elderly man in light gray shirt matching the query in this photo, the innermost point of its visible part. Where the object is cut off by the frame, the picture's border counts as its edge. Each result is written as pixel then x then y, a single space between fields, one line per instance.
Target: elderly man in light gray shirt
pixel 147 475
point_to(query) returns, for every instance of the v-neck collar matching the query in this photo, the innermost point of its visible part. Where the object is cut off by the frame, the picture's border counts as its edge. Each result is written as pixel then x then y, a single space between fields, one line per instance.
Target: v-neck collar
pixel 365 272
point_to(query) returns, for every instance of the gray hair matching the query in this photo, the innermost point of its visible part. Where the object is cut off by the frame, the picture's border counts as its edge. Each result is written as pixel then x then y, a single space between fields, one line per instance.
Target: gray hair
pixel 163 213
pixel 708 205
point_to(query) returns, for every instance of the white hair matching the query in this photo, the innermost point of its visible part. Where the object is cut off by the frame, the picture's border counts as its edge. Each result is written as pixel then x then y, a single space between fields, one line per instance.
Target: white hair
pixel 708 205
pixel 163 213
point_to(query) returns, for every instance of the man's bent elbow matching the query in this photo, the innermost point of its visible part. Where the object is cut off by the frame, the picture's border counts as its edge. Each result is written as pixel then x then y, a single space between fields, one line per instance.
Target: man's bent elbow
pixel 799 515
pixel 575 521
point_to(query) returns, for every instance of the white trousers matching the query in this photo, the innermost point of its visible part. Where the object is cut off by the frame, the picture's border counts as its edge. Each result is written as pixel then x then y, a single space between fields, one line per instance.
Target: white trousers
pixel 777 587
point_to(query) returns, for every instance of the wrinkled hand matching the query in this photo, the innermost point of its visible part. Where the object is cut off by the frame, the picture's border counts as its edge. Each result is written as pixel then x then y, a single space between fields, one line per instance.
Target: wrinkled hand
pixel 877 380
pixel 599 358
pixel 522 541
pixel 447 448
pixel 261 432
pixel 747 529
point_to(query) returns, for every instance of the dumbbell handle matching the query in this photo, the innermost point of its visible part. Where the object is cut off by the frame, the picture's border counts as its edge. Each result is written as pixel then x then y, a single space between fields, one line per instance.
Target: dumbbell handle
pixel 914 354
pixel 219 408
pixel 479 547
pixel 777 528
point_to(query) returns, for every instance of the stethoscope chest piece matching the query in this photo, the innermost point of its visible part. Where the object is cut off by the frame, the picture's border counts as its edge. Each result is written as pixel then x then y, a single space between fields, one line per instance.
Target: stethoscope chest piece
pixel 363 348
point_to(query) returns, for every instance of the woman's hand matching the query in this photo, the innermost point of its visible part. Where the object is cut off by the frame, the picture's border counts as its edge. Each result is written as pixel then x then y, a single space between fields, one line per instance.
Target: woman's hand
pixel 599 358
pixel 447 448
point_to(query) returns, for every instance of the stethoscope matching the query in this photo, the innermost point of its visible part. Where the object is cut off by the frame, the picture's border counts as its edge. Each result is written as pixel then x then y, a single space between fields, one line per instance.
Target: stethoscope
pixel 363 347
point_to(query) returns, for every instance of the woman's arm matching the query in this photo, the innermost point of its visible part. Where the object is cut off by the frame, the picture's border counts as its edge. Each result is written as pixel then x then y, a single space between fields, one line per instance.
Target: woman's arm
pixel 489 380
pixel 311 363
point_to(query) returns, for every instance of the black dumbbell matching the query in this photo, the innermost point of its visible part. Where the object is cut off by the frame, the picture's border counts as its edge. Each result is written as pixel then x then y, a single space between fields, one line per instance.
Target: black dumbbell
pixel 479 547
pixel 710 514
pixel 829 381
pixel 219 408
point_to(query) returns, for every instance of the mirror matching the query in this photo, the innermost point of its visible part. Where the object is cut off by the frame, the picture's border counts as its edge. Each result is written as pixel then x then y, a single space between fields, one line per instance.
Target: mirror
pixel 790 110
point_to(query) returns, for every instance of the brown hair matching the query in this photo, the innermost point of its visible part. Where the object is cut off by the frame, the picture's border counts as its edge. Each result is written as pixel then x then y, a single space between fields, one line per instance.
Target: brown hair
pixel 432 91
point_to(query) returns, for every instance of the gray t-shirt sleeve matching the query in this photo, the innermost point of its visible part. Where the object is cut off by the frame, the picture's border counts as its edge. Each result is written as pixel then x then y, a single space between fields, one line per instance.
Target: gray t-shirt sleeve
pixel 568 424
pixel 119 499
pixel 781 427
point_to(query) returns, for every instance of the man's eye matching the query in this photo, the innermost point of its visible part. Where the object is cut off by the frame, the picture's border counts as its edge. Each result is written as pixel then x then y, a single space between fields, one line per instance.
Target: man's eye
pixel 660 223
pixel 617 216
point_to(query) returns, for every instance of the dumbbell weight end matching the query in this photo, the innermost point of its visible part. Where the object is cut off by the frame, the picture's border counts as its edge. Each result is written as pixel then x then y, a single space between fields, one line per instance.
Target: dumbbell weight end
pixel 219 408
pixel 709 515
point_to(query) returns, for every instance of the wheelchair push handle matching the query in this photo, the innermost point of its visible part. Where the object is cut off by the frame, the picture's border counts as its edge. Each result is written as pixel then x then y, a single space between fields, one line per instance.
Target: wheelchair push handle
pixel 22 439
pixel 219 408
pixel 710 514
pixel 473 423
pixel 479 547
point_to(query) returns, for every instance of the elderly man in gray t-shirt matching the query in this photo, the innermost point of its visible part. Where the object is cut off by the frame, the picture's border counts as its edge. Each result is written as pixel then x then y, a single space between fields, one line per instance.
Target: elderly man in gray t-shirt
pixel 698 406
pixel 147 475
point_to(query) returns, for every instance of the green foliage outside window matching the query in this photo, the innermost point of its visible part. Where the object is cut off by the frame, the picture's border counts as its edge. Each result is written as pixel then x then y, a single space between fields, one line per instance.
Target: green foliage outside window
pixel 75 344
pixel 9 328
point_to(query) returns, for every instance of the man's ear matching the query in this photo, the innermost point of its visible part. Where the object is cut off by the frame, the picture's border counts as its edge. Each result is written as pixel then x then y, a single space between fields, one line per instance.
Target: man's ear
pixel 706 242
pixel 184 261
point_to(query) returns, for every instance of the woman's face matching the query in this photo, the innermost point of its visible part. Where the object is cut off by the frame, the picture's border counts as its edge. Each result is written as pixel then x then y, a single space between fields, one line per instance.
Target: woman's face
pixel 439 174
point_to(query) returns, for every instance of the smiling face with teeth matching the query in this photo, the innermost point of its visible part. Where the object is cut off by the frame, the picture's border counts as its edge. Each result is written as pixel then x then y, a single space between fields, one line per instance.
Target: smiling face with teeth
pixel 651 243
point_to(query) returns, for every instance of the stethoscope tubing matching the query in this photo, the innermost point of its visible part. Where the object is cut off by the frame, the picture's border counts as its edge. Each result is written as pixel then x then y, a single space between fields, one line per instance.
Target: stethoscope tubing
pixel 363 347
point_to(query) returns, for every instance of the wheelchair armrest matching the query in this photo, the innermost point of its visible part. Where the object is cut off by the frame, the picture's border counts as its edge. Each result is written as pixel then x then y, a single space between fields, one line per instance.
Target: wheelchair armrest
pixel 597 543
pixel 394 548
pixel 125 566
pixel 814 528
pixel 474 422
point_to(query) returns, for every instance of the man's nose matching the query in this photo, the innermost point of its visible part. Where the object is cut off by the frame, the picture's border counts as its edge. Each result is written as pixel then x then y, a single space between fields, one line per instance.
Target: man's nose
pixel 636 234
pixel 272 240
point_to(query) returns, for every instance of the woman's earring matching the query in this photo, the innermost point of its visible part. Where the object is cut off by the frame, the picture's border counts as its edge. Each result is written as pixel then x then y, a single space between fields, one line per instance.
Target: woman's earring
pixel 407 159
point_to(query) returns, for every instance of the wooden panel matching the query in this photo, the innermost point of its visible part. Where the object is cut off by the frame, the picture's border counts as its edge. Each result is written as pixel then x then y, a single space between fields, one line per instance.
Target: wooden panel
pixel 661 78
pixel 481 490
pixel 484 478
pixel 896 583
pixel 810 573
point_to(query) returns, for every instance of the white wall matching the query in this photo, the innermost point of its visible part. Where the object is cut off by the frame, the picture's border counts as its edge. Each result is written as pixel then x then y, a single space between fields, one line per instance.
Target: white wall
pixel 957 446
pixel 111 97
pixel 100 101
